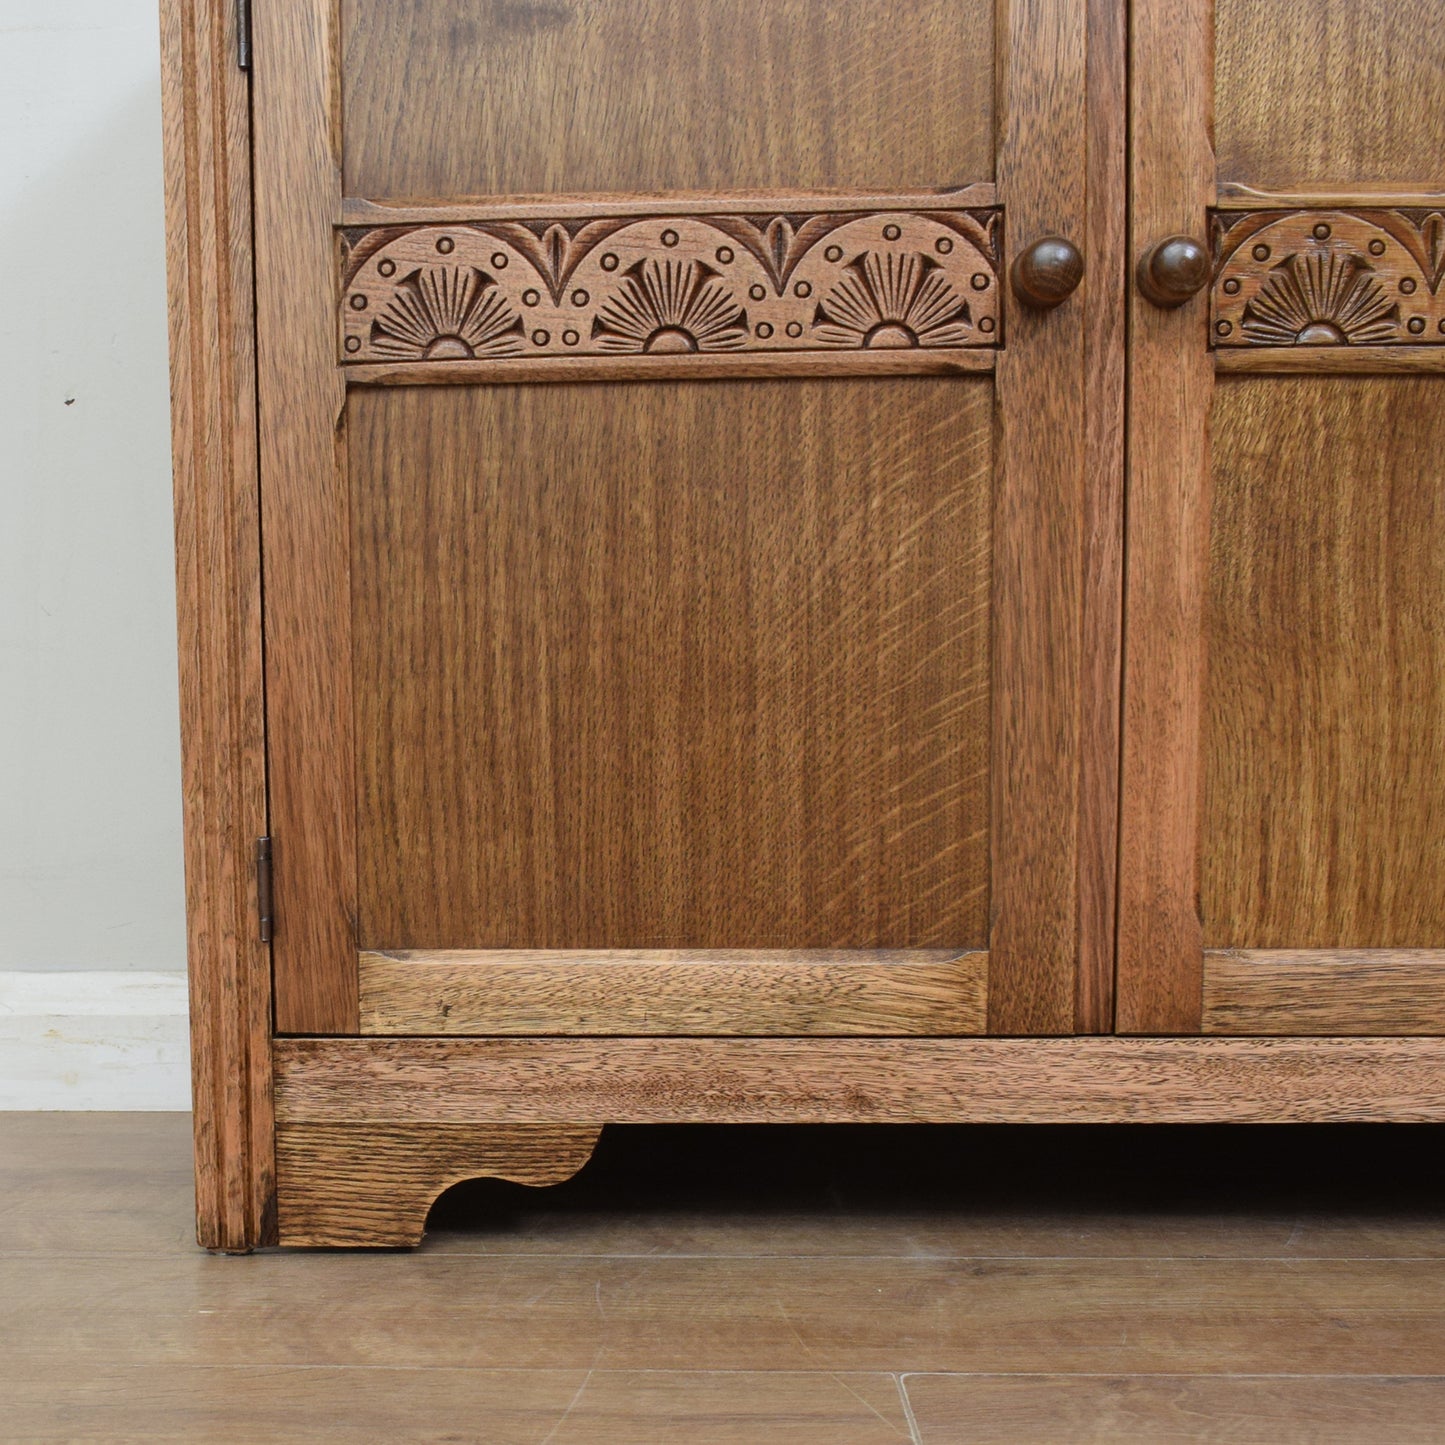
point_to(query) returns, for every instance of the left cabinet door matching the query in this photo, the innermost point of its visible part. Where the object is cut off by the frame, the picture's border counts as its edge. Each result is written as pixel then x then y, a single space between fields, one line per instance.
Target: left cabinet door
pixel 690 573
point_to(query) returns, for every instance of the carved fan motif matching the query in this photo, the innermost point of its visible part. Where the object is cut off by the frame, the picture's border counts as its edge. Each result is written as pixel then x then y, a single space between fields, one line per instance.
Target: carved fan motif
pixel 446 313
pixel 893 300
pixel 1327 299
pixel 1326 277
pixel 660 295
pixel 671 306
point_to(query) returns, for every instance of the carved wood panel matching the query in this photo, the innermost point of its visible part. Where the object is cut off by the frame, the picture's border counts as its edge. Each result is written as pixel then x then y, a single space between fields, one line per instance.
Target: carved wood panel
pixel 1328 278
pixel 680 286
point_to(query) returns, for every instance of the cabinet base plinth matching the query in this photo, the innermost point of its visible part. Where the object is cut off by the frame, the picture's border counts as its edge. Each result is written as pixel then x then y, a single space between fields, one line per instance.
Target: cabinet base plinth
pixel 369 1184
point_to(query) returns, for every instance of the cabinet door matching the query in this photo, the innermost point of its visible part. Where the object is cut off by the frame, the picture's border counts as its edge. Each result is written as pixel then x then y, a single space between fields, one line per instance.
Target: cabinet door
pixel 690 571
pixel 1283 838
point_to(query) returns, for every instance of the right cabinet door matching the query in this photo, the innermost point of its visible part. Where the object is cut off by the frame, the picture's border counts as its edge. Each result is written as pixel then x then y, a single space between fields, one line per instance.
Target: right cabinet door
pixel 1282 864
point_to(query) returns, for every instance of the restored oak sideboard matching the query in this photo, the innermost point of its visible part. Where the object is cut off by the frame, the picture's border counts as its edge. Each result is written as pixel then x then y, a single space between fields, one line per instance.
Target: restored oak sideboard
pixel 749 561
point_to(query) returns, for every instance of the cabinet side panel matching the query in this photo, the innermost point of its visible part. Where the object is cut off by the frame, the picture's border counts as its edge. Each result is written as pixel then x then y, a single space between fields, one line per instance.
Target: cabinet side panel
pixel 208 243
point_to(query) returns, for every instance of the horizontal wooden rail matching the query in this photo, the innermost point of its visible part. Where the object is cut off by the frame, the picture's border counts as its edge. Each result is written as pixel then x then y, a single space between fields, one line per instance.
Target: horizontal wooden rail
pixel 1325 991
pixel 645 991
pixel 874 1081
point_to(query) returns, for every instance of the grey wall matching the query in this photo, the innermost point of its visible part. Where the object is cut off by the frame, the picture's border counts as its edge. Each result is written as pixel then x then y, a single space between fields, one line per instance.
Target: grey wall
pixel 90 856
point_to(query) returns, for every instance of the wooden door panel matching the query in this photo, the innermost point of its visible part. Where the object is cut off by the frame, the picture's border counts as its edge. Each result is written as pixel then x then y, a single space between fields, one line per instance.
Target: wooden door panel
pixel 695 666
pixel 1283 840
pixel 1323 93
pixel 455 98
pixel 777 663
pixel 1323 820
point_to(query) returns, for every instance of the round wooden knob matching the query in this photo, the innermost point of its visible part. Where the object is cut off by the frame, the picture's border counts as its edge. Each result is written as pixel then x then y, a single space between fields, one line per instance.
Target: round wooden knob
pixel 1047 273
pixel 1173 270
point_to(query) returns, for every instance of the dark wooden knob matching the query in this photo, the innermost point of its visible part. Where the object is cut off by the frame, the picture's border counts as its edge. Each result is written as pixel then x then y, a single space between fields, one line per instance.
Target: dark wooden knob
pixel 1047 273
pixel 1173 270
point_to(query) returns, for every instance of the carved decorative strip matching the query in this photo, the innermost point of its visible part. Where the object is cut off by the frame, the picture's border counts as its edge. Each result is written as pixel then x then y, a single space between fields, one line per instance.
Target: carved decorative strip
pixel 1328 278
pixel 497 291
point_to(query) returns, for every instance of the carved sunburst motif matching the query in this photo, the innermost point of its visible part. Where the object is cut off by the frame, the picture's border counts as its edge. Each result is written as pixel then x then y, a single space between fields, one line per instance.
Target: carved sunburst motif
pixel 1323 299
pixel 893 300
pixel 671 306
pixel 446 313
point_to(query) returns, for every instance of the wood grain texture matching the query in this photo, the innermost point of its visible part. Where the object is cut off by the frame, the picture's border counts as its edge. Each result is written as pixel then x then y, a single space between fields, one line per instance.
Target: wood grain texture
pixel 684 667
pixel 372 1184
pixel 1186 1407
pixel 305 507
pixel 218 583
pixel 1106 246
pixel 883 1081
pixel 848 279
pixel 1322 279
pixel 1170 382
pixel 1378 991
pixel 1034 943
pixel 732 991
pixel 649 95
pixel 1329 92
pixel 1324 736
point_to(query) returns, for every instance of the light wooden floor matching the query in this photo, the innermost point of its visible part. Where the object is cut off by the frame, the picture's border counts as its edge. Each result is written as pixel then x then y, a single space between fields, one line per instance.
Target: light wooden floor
pixel 745 1287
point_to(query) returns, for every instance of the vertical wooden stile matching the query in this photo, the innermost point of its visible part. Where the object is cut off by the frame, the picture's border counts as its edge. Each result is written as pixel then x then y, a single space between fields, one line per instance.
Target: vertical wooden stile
pixel 1171 385
pixel 1038 530
pixel 305 508
pixel 213 424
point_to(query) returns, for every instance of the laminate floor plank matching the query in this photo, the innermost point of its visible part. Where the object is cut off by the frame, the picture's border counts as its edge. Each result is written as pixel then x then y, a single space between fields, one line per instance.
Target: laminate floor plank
pixel 113 1183
pixel 951 1316
pixel 241 1406
pixel 1219 1409
pixel 523 1229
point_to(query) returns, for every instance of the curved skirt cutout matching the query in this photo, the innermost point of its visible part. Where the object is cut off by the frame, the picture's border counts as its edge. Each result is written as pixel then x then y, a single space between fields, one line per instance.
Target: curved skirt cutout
pixel 371 1184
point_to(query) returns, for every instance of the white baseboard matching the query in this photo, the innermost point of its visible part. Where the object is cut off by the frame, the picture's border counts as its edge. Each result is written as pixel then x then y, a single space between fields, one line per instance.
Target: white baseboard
pixel 104 1040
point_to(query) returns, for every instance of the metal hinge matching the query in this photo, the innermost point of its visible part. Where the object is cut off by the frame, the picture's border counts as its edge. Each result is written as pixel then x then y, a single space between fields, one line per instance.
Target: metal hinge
pixel 263 887
pixel 243 34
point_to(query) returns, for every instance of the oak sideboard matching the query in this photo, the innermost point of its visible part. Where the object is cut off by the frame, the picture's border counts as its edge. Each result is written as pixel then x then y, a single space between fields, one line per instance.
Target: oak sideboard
pixel 745 560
